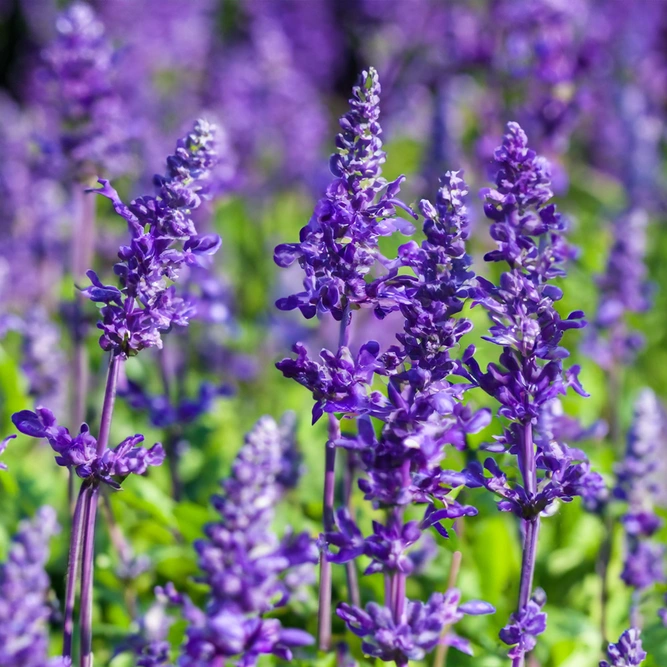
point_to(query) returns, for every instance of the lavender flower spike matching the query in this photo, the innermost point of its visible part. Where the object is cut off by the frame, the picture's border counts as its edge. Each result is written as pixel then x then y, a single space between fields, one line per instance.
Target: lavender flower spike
pixel 24 585
pixel 639 478
pixel 244 563
pixel 163 239
pixel 627 652
pixel 529 235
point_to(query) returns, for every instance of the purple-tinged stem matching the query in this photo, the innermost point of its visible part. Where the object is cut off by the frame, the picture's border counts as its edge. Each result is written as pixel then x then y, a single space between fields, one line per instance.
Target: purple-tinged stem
pixel 83 244
pixel 87 568
pixel 531 526
pixel 440 659
pixel 350 566
pixel 604 557
pixel 109 400
pixel 73 569
pixel 324 595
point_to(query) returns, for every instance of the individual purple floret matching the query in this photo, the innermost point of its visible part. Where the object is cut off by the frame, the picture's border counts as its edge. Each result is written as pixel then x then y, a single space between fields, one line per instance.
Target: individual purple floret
pixel 529 236
pixel 80 452
pixel 339 245
pixel 243 563
pixel 628 652
pixel 638 483
pixel 24 588
pixel 76 88
pixel 623 289
pixel 163 238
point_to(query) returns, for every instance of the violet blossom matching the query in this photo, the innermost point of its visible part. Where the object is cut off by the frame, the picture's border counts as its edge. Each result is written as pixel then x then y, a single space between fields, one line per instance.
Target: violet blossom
pixel 24 589
pixel 243 563
pixel 638 483
pixel 627 652
pixel 77 91
pixel 529 235
pixel 134 316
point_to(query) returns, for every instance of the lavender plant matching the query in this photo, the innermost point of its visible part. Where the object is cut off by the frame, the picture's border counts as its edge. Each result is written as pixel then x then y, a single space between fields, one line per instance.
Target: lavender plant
pixel 244 565
pixel 133 318
pixel 422 415
pixel 529 234
pixel 638 483
pixel 337 250
pixel 24 590
pixel 627 652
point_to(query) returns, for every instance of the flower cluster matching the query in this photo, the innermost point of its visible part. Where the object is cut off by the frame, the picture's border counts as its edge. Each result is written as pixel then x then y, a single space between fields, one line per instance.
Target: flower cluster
pixel 417 633
pixel 243 563
pixel 80 452
pixel 339 245
pixel 24 588
pixel 163 412
pixel 529 235
pixel 638 483
pixel 623 289
pixel 134 316
pixel 421 415
pixel 76 88
pixel 627 652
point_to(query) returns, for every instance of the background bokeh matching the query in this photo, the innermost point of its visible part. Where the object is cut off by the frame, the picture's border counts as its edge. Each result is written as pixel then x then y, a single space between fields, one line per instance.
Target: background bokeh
pixel 587 80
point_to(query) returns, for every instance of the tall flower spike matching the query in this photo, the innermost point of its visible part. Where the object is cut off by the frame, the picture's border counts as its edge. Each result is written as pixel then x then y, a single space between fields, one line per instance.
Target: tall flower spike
pixel 163 239
pixel 24 586
pixel 529 235
pixel 339 245
pixel 623 289
pixel 639 483
pixel 422 415
pixel 75 86
pixel 628 652
pixel 244 563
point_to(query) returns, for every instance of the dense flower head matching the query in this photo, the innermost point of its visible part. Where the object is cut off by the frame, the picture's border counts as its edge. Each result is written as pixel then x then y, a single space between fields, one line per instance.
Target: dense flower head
pixel 415 635
pixel 163 239
pixel 339 245
pixel 529 236
pixel 24 588
pixel 525 626
pixel 627 652
pixel 243 563
pixel 339 384
pixel 76 87
pixel 241 558
pixel 639 483
pixel 623 289
pixel 441 282
pixel 80 454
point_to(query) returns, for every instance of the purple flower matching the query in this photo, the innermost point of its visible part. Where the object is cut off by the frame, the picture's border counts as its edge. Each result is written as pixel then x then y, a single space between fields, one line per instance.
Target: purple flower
pixel 339 246
pixel 414 636
pixel 341 383
pixel 441 282
pixel 639 484
pixel 77 90
pixel 525 626
pixel 627 652
pixel 244 564
pixel 80 452
pixel 163 238
pixel 24 591
pixel 623 289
